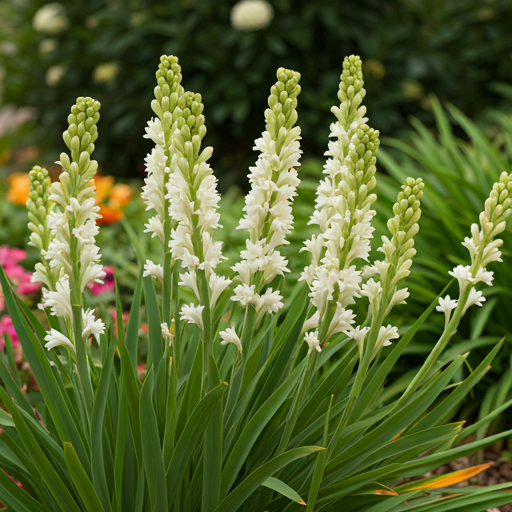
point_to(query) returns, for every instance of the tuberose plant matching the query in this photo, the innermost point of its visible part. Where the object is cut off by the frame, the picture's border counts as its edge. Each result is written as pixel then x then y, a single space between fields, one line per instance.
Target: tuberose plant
pixel 256 396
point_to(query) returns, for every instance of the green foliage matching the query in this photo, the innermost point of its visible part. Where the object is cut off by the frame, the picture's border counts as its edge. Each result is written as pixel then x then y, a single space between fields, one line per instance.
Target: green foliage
pixel 383 441
pixel 458 163
pixel 410 48
pixel 209 428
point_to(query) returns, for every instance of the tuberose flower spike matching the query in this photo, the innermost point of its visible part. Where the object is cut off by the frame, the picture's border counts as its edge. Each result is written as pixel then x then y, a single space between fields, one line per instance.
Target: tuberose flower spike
pixel 268 206
pixel 343 207
pixel 399 250
pixel 160 130
pixel 72 249
pixel 483 247
pixel 39 207
pixel 384 294
pixel 193 200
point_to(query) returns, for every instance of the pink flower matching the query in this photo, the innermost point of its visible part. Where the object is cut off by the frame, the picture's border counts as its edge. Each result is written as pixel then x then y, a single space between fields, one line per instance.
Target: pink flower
pixel 10 258
pixel 6 327
pixel 11 255
pixel 108 283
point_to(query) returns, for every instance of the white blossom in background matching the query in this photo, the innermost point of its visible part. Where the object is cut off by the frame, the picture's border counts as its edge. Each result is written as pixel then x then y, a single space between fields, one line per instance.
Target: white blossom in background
pixel 51 19
pixel 48 45
pixel 193 203
pixel 268 206
pixel 71 252
pixel 106 72
pixel 54 74
pixel 250 15
pixel 343 208
pixel 483 248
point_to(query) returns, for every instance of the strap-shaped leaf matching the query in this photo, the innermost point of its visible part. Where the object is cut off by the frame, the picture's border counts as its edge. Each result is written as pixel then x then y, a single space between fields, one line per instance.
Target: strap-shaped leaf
pixel 98 412
pixel 16 498
pixel 68 427
pixel 81 480
pixel 156 342
pixel 46 471
pixel 279 486
pixel 233 501
pixel 254 427
pixel 151 450
pixel 132 328
pixel 191 437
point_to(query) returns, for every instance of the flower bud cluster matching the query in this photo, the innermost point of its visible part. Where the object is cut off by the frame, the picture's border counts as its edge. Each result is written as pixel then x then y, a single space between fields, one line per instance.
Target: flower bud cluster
pixel 398 251
pixel 343 206
pixel 194 200
pixel 72 250
pixel 39 207
pixel 268 206
pixel 483 247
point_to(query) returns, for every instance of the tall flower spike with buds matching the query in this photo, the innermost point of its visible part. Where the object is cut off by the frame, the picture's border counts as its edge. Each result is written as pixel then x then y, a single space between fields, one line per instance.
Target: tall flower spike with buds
pixel 268 206
pixel 384 293
pixel 193 204
pixel 160 131
pixel 483 248
pixel 39 207
pixel 72 250
pixel 343 208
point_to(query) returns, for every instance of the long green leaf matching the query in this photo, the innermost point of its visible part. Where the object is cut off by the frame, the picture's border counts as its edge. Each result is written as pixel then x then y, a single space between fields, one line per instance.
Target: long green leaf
pixel 191 436
pixel 151 450
pixel 279 486
pixel 81 480
pixel 45 469
pixel 233 501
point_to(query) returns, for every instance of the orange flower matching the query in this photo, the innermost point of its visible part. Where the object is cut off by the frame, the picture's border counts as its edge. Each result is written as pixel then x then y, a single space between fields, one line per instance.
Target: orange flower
pixel 104 185
pixel 120 196
pixel 111 198
pixel 109 215
pixel 19 187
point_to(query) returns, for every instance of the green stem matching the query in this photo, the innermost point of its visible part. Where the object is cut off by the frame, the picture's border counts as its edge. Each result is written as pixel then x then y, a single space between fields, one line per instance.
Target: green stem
pixel 204 293
pixel 76 305
pixel 291 420
pixel 436 351
pixel 239 365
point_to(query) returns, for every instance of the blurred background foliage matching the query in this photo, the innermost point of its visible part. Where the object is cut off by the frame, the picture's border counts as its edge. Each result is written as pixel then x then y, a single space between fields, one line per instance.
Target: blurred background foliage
pixel 109 50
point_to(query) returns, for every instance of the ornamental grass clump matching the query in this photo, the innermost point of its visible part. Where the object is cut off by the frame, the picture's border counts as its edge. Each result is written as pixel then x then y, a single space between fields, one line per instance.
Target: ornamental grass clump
pixel 256 396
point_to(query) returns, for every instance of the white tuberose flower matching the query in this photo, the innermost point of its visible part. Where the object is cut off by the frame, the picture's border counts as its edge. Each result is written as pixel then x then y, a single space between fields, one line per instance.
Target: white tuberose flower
pixel 192 314
pixel 251 15
pixel 230 336
pixel 55 339
pixel 154 270
pixel 311 338
pixel 446 306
